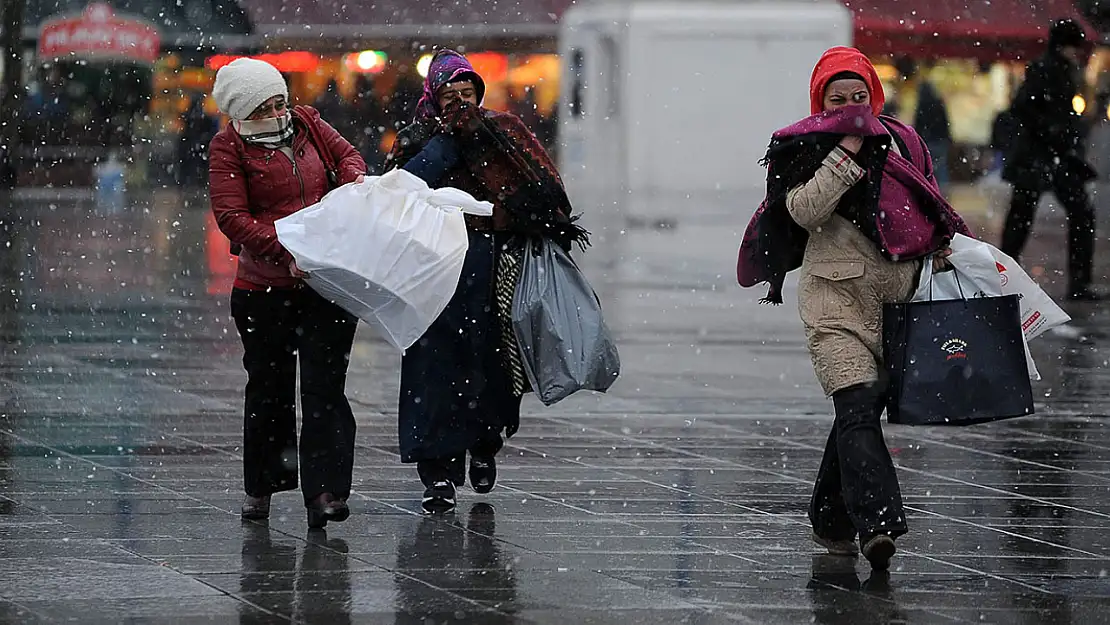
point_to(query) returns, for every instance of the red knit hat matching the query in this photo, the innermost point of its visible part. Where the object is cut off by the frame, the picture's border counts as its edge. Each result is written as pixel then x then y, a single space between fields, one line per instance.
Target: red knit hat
pixel 835 61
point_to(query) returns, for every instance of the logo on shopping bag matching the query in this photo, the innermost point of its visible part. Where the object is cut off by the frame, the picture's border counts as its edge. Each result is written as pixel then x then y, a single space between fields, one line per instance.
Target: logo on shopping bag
pixel 1034 318
pixel 955 348
pixel 1002 273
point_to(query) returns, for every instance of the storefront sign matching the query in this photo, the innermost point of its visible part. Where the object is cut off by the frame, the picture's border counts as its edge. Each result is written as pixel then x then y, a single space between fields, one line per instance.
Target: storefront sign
pixel 99 33
pixel 291 62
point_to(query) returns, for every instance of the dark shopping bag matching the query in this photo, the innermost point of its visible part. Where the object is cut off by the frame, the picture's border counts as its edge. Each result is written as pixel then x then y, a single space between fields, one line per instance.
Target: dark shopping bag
pixel 955 362
pixel 564 343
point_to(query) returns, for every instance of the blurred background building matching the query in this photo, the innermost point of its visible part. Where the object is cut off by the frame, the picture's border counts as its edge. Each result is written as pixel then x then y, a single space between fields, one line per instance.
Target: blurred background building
pixel 362 62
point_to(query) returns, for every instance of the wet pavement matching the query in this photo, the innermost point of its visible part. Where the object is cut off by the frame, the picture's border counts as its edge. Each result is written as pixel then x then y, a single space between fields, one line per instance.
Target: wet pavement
pixel 678 498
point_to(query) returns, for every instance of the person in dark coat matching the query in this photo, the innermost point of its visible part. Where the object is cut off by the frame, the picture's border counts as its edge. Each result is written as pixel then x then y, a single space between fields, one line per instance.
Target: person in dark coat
pixel 199 128
pixel 1048 155
pixel 368 119
pixel 462 382
pixel 930 118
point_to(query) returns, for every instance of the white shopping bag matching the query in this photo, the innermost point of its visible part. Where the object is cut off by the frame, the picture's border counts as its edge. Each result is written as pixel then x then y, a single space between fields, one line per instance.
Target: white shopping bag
pixel 992 273
pixel 983 271
pixel 389 250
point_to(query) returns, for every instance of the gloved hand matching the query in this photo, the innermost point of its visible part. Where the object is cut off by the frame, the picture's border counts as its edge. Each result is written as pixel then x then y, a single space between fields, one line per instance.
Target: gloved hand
pixel 460 118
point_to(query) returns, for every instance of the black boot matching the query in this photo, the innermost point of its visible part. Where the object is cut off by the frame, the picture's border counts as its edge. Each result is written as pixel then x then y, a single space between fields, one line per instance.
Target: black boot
pixel 327 507
pixel 868 481
pixel 483 473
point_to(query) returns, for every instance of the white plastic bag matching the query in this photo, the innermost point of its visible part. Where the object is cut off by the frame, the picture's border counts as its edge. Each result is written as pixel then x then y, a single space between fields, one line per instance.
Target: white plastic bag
pixel 979 271
pixel 992 273
pixel 1039 313
pixel 976 270
pixel 389 250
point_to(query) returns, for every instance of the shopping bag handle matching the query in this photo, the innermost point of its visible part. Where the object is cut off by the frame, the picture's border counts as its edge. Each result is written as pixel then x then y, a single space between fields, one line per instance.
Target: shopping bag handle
pixel 932 276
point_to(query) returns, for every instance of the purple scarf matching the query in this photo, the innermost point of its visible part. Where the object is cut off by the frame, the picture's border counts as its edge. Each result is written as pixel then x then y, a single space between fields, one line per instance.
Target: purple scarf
pixel 898 206
pixel 447 66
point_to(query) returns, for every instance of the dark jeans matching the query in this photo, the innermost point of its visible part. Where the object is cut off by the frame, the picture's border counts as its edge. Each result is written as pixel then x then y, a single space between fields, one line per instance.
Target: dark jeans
pixel 454 469
pixel 857 488
pixel 1081 228
pixel 278 328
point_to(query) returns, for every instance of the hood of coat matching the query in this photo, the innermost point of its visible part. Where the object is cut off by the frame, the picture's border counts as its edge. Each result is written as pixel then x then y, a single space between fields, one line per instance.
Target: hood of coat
pixel 447 67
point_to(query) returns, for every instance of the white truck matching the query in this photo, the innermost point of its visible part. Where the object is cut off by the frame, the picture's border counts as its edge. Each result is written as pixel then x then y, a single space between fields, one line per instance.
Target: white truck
pixel 667 107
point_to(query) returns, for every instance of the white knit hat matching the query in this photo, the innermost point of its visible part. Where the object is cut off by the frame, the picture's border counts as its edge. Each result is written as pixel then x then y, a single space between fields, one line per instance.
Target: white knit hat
pixel 244 84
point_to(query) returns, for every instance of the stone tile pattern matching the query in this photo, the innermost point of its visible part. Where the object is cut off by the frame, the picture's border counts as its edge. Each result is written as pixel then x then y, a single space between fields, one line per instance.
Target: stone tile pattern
pixel 678 498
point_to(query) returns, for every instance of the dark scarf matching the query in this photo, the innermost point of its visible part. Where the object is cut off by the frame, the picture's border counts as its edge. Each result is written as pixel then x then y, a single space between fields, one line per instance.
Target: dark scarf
pixel 509 160
pixel 500 152
pixel 897 206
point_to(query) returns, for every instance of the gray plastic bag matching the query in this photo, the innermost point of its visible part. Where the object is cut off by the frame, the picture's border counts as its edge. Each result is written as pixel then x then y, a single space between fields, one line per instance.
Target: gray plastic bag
pixel 564 342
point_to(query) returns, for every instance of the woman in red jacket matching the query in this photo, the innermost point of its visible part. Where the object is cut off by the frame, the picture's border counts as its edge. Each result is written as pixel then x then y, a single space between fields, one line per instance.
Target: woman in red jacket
pixel 270 162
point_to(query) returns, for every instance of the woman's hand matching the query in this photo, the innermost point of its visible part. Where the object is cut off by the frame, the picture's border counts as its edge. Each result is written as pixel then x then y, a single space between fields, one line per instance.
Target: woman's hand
pixel 852 143
pixel 295 271
pixel 360 179
pixel 458 118
pixel 941 262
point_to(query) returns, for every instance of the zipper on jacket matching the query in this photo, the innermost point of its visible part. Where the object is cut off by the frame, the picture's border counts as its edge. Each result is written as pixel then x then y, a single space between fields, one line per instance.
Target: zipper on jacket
pixel 297 172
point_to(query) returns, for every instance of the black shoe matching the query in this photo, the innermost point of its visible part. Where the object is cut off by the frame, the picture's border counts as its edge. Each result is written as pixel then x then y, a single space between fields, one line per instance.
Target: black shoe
pixel 327 507
pixel 483 473
pixel 878 551
pixel 439 498
pixel 255 508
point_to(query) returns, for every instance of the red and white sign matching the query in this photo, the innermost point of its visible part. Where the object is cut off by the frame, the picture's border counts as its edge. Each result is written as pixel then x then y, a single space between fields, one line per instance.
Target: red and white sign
pixel 99 33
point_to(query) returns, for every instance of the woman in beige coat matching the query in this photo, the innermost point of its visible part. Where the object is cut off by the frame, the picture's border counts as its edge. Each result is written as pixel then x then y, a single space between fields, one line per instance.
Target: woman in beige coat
pixel 852 201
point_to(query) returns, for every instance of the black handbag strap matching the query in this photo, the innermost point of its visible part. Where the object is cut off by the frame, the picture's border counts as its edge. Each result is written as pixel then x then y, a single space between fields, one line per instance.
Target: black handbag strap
pixel 331 167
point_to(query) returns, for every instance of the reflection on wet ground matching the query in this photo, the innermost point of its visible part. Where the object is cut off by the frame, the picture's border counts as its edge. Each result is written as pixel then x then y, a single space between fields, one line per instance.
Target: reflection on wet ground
pixel 679 498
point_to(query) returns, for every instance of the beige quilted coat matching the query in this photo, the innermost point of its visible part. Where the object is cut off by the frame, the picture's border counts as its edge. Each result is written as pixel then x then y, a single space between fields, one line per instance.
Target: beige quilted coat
pixel 844 280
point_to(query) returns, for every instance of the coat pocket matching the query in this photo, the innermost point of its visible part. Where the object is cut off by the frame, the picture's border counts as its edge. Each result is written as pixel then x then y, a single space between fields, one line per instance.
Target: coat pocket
pixel 837 289
pixel 838 270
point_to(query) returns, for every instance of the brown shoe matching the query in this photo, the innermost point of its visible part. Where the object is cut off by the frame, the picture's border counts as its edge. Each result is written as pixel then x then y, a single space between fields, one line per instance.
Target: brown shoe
pixel 255 508
pixel 878 551
pixel 327 507
pixel 838 547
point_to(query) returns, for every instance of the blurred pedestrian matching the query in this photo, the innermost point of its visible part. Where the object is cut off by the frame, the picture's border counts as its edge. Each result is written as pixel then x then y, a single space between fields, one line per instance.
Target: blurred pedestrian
pixel 369 121
pixel 851 201
pixel 461 384
pixel 334 108
pixel 1048 154
pixel 270 162
pixel 198 130
pixel 925 110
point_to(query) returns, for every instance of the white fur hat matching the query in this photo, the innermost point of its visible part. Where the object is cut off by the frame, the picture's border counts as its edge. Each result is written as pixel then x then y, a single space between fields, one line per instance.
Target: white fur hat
pixel 244 84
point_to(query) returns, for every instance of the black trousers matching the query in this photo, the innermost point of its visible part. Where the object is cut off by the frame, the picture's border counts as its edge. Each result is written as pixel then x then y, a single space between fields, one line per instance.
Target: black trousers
pixel 857 490
pixel 1081 228
pixel 454 469
pixel 278 328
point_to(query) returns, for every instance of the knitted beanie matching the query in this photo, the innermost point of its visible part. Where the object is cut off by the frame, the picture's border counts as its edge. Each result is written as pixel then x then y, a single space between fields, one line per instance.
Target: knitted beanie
pixel 244 84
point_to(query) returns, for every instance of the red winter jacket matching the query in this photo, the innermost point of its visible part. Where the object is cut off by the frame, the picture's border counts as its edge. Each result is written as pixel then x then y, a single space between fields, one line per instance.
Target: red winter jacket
pixel 251 187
